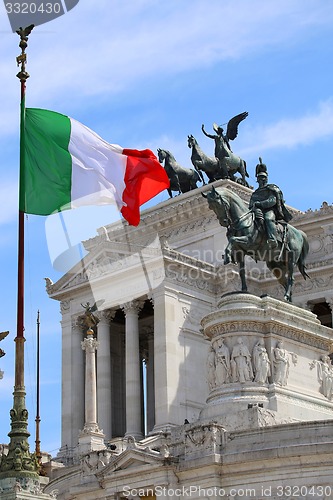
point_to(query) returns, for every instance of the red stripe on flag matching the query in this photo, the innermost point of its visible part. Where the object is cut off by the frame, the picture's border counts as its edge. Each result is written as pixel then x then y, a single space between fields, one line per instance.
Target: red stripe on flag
pixel 144 178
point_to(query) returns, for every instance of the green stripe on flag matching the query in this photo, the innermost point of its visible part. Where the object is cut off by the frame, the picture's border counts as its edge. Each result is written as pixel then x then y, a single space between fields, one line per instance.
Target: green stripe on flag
pixel 46 179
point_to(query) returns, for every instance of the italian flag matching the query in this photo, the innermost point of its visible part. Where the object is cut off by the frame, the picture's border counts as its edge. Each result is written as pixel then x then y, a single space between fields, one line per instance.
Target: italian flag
pixel 66 165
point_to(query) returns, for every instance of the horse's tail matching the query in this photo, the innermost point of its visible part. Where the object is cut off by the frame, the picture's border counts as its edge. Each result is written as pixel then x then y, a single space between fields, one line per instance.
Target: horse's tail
pixel 302 257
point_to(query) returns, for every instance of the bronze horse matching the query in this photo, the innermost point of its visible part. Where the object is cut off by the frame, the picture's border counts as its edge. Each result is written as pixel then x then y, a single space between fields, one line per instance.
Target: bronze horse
pixel 232 163
pixel 181 179
pixel 204 163
pixel 245 239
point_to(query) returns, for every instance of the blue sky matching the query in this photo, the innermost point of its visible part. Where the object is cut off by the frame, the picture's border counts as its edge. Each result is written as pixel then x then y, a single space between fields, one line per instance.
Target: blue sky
pixel 147 74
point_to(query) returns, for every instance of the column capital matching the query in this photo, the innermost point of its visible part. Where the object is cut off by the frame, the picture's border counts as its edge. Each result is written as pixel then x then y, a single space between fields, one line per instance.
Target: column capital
pixel 329 301
pixel 105 316
pixel 134 306
pixel 90 344
pixel 65 306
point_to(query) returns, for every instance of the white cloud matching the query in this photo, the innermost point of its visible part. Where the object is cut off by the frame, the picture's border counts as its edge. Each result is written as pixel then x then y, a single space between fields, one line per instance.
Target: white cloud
pixel 107 47
pixel 115 51
pixel 291 132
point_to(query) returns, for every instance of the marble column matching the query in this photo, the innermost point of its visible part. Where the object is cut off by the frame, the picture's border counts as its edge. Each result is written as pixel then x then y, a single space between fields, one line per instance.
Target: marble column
pixel 150 384
pixel 104 373
pixel 133 370
pixel 166 359
pixel 76 393
pixel 66 377
pixel 91 437
pixel 118 383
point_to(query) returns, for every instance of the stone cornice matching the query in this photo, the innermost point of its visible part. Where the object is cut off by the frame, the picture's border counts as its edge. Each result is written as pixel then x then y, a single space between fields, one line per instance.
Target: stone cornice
pixel 261 327
pixel 324 213
pixel 176 211
pixel 317 283
pixel 188 270
pixel 181 258
pixel 178 267
pixel 246 313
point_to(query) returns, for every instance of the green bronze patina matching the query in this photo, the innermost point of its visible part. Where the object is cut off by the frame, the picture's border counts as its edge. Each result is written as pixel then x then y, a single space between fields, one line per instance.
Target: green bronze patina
pixel 229 163
pixel 203 163
pixel 181 179
pixel 247 236
pixel 19 462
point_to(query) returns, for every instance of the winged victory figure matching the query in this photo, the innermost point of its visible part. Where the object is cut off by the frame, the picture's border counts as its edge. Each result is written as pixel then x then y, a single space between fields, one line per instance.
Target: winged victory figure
pixel 229 163
pixel 232 128
pixel 89 319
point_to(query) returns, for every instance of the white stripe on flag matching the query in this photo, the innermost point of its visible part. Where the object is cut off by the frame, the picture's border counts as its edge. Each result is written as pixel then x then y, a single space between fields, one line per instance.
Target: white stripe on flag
pixel 98 168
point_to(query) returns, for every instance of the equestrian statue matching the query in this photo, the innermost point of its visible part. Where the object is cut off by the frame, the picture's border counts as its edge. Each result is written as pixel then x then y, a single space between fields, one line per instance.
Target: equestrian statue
pixel 181 179
pixel 229 163
pixel 261 231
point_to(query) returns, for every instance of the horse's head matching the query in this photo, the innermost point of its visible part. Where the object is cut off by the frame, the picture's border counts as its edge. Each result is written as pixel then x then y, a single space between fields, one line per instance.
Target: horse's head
pixel 164 154
pixel 161 155
pixel 219 205
pixel 191 141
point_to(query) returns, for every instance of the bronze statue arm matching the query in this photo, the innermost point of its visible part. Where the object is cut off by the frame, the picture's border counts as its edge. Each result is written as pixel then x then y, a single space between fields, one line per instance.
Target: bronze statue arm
pixel 206 134
pixel 268 203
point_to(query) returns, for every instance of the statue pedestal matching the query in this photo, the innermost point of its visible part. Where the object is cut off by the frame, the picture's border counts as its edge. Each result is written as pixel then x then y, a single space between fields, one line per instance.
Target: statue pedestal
pixel 267 363
pixel 18 488
pixel 91 440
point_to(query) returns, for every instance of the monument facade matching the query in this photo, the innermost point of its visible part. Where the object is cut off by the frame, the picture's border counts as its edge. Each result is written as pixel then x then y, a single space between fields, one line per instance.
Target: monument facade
pixel 200 387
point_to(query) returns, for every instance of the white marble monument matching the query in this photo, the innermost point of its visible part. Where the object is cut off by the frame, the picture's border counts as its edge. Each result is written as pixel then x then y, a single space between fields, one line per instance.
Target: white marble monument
pixel 198 386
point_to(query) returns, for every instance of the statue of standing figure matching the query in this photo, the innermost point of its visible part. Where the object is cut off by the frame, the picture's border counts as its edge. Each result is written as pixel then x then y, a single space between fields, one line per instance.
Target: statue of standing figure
pixel 241 366
pixel 281 364
pixel 261 363
pixel 325 375
pixel 222 361
pixel 211 378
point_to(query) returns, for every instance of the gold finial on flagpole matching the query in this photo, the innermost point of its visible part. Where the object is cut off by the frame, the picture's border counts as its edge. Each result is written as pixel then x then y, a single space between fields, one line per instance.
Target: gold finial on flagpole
pixel 23 33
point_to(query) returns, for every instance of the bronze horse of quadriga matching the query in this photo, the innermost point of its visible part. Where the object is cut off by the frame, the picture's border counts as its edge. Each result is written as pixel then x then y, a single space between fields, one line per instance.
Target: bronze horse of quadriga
pixel 232 164
pixel 181 179
pixel 202 162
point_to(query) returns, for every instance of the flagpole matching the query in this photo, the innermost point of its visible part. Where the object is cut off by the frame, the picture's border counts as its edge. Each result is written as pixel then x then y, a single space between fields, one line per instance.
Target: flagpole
pixel 37 419
pixel 19 462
